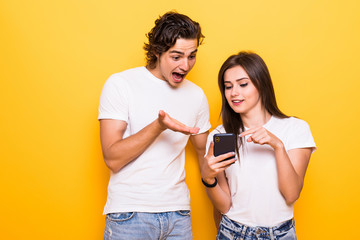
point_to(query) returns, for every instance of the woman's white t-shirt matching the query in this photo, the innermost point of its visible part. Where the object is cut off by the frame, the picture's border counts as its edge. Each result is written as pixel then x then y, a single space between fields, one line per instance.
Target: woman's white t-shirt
pixel 253 182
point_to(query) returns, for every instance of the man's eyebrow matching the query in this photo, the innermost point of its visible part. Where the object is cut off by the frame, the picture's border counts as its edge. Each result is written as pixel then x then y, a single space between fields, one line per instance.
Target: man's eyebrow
pixel 182 53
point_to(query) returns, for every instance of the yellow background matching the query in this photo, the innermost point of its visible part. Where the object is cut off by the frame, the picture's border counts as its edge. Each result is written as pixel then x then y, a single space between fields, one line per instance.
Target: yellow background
pixel 56 56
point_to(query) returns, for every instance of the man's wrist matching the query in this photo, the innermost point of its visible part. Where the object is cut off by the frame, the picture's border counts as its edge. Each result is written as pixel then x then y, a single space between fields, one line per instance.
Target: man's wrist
pixel 159 125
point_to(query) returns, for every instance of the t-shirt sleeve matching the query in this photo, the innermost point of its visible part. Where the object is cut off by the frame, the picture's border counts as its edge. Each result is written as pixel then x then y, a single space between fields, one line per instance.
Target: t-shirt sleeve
pixel 300 136
pixel 203 118
pixel 114 99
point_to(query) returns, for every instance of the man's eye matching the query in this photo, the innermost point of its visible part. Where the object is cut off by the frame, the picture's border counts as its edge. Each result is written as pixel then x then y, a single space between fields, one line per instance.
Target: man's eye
pixel 176 58
pixel 192 56
pixel 243 85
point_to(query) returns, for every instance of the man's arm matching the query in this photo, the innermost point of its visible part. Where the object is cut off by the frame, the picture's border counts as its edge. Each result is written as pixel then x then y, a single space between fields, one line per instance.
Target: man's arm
pixel 119 151
pixel 199 143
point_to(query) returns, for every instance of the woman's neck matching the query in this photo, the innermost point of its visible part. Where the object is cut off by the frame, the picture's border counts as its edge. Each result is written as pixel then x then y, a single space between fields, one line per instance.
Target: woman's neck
pixel 255 119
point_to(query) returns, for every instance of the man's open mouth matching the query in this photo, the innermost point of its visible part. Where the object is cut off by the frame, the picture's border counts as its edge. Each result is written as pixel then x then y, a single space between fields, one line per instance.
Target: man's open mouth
pixel 178 77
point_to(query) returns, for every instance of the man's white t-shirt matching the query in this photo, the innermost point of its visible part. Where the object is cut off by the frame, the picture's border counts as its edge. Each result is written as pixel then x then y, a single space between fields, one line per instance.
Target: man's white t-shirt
pixel 155 181
pixel 253 182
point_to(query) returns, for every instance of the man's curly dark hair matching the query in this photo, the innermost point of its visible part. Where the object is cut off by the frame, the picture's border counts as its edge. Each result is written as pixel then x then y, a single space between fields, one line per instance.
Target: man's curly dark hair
pixel 168 28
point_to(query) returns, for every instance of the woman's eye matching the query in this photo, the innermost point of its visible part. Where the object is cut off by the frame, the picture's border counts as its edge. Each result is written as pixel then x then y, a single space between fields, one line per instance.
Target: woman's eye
pixel 243 85
pixel 228 87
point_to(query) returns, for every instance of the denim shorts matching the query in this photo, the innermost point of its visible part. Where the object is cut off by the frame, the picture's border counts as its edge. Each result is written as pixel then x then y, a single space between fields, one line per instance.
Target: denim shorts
pixel 231 230
pixel 147 226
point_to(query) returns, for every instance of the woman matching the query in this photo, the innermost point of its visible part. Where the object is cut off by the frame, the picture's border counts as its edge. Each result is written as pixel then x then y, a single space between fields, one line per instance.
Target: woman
pixel 256 190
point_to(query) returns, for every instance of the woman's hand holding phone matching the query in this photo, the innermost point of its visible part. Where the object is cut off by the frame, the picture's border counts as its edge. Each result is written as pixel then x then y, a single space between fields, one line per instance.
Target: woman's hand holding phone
pixel 213 165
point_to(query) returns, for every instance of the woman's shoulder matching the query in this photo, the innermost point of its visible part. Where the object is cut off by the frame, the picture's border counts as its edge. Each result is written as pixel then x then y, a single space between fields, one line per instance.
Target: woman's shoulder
pixel 295 133
pixel 219 129
pixel 290 121
pixel 289 126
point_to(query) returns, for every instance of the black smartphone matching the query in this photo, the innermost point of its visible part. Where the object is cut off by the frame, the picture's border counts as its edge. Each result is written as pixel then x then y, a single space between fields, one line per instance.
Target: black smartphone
pixel 224 143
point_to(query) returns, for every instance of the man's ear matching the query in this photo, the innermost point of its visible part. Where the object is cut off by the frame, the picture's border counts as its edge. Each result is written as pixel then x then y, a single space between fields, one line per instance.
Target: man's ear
pixel 157 55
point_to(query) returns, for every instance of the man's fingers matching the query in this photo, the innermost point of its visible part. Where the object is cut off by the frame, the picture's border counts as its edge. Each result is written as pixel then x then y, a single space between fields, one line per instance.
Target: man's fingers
pixel 185 129
pixel 175 125
pixel 195 130
pixel 162 114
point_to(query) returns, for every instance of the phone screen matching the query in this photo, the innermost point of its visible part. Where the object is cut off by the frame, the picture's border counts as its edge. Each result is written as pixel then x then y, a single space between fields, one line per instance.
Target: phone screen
pixel 224 143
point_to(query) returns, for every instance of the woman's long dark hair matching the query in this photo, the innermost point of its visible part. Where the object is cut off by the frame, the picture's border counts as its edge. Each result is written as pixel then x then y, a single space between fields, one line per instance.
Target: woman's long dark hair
pixel 259 75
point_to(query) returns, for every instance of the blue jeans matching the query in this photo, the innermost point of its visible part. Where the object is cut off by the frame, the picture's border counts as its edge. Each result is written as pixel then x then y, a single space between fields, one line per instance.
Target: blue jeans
pixel 148 226
pixel 231 230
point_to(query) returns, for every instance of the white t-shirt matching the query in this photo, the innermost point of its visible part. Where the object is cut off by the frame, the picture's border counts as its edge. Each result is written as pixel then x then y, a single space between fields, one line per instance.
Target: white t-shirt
pixel 155 181
pixel 255 195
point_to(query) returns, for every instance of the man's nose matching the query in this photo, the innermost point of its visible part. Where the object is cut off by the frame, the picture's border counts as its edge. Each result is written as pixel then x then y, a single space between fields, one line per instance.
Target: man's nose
pixel 185 65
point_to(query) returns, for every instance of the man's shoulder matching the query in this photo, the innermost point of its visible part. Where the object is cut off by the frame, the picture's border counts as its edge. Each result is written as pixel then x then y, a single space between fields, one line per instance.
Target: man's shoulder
pixel 126 75
pixel 189 85
pixel 128 72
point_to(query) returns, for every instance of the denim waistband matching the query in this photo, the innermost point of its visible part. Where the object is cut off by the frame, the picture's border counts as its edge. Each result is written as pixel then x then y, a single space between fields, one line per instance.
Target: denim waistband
pixel 258 230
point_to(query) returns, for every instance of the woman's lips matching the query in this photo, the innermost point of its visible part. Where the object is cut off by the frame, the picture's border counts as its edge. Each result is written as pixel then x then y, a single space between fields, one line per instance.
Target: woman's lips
pixel 237 102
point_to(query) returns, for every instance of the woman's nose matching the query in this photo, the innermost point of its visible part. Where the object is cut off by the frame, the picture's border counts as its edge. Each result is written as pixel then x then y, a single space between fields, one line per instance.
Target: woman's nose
pixel 235 91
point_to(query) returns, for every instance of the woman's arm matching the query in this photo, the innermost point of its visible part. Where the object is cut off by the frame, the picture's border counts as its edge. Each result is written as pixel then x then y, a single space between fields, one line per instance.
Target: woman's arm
pixel 291 166
pixel 213 167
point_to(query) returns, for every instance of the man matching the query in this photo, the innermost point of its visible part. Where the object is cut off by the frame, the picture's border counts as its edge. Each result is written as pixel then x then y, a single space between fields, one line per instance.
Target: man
pixel 147 114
